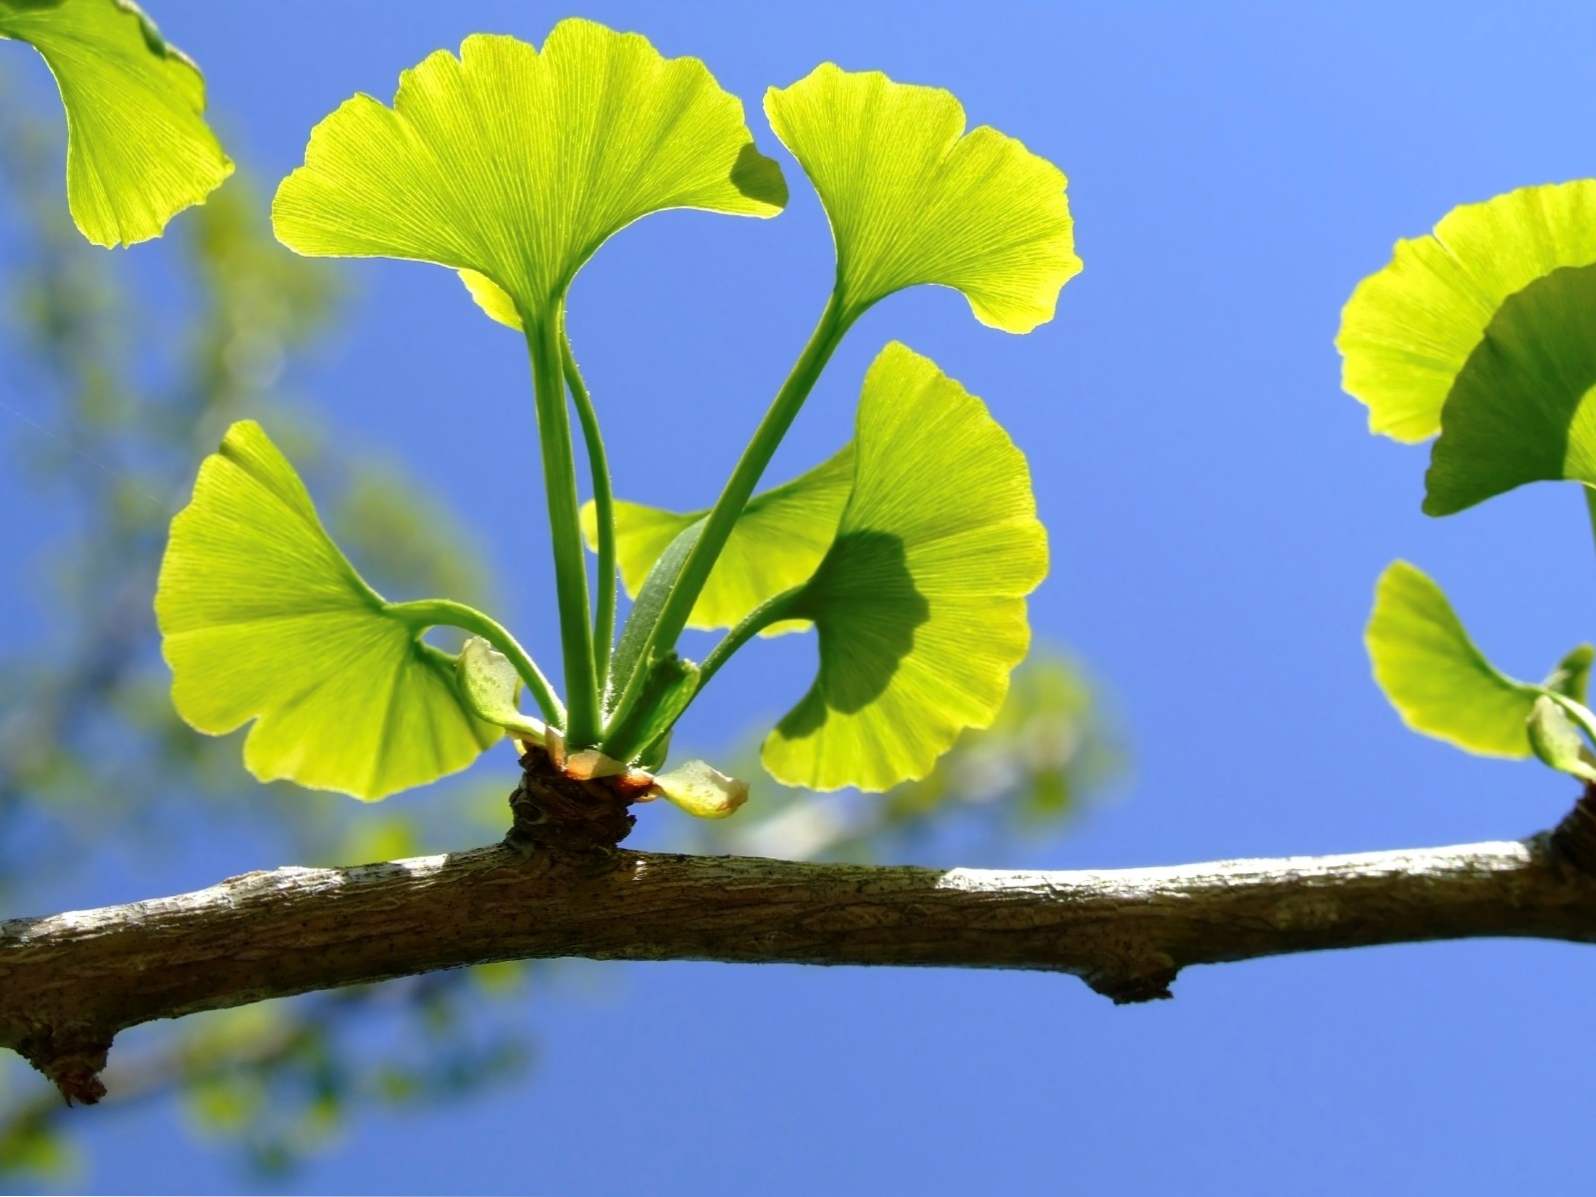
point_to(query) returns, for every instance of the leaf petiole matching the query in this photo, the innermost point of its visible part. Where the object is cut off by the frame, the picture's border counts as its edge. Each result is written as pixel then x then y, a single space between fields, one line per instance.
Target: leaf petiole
pixel 544 334
pixel 828 333
pixel 695 567
pixel 604 509
pixel 772 610
pixel 671 684
pixel 435 613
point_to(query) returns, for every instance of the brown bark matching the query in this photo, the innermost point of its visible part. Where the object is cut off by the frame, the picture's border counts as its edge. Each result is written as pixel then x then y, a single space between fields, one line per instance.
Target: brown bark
pixel 560 886
pixel 69 982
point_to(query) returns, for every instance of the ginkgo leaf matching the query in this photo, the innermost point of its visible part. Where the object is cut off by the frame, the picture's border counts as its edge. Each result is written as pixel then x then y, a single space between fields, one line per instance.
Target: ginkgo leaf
pixel 1519 409
pixel 138 148
pixel 1555 738
pixel 515 164
pixel 777 542
pixel 263 619
pixel 489 685
pixel 1409 328
pixel 495 302
pixel 700 789
pixel 920 601
pixel 1571 676
pixel 913 198
pixel 1433 675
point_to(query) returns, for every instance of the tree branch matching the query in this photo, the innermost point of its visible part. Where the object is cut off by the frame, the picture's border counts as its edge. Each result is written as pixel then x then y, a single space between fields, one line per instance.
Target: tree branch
pixel 69 982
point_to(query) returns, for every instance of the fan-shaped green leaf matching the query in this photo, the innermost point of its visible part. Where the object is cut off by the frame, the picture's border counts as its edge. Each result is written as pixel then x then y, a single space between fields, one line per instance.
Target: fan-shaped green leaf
pixel 1433 675
pixel 1408 329
pixel 1519 410
pixel 920 601
pixel 776 543
pixel 263 618
pixel 138 148
pixel 517 164
pixel 912 201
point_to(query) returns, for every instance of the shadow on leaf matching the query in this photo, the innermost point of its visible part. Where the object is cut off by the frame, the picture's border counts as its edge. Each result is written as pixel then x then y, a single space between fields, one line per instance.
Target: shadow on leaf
pixel 867 607
pixel 759 177
pixel 1519 411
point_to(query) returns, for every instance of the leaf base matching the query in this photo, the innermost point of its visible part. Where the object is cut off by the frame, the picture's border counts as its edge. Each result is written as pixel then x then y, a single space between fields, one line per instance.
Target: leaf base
pixel 553 811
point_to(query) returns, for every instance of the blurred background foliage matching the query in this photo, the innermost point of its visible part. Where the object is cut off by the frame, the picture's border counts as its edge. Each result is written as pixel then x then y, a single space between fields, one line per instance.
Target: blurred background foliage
pixel 123 401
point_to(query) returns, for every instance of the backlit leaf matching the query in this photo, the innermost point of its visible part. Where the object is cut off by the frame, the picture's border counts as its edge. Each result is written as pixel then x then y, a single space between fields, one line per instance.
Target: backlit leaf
pixel 515 164
pixel 496 303
pixel 701 789
pixel 913 198
pixel 776 543
pixel 263 619
pixel 1408 329
pixel 920 601
pixel 138 148
pixel 1433 675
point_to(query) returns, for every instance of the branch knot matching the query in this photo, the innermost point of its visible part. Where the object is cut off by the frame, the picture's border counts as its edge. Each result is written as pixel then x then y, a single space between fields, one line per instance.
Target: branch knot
pixel 72 1061
pixel 552 810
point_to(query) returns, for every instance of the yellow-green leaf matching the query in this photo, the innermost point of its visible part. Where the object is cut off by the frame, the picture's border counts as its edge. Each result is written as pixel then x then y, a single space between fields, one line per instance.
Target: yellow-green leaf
pixel 263 619
pixel 1433 675
pixel 515 165
pixel 1408 329
pixel 777 542
pixel 920 601
pixel 1571 676
pixel 700 789
pixel 913 198
pixel 495 302
pixel 138 148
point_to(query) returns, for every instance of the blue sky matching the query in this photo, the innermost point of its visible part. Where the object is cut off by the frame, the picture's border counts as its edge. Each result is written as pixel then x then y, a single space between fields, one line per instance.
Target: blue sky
pixel 1217 515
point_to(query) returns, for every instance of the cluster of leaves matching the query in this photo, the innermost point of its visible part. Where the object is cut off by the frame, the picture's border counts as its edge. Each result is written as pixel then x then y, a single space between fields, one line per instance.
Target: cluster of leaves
pixel 1477 335
pixel 120 393
pixel 911 552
